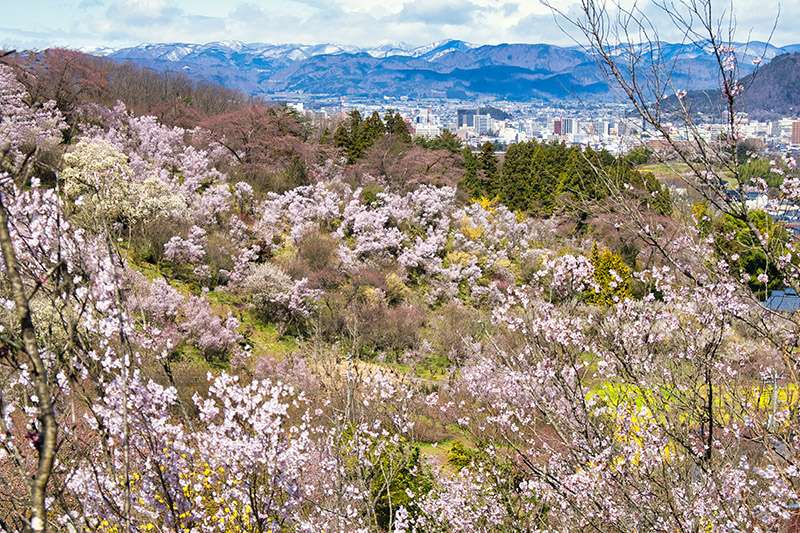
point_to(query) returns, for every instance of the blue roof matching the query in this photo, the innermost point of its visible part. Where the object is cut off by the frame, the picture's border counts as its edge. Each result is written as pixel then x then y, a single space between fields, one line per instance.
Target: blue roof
pixel 785 300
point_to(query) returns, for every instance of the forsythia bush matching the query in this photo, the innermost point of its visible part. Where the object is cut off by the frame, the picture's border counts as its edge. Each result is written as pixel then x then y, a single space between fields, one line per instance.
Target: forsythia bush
pixel 612 278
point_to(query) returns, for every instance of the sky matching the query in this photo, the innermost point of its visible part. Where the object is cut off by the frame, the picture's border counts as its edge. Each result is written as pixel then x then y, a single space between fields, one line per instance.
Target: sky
pixel 40 24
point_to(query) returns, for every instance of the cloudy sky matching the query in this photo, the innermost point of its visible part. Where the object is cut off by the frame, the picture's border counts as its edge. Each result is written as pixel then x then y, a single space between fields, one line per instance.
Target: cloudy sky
pixel 117 23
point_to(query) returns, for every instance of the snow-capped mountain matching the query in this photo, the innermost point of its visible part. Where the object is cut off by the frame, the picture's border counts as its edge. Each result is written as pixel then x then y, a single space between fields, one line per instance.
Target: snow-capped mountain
pixel 448 68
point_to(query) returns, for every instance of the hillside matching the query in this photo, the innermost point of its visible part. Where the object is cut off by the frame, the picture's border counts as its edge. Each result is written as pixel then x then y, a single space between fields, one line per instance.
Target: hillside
pixel 775 90
pixel 217 318
pixel 771 92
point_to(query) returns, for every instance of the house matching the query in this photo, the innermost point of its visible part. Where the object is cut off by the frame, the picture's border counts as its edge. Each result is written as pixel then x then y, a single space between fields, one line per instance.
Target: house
pixel 756 200
pixel 785 300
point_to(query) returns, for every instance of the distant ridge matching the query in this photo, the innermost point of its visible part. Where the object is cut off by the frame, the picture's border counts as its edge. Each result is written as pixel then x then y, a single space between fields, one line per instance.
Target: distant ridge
pixel 444 69
pixel 773 92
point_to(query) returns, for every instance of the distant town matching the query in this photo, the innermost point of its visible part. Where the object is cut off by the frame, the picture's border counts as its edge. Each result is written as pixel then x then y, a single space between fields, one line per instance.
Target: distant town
pixel 602 126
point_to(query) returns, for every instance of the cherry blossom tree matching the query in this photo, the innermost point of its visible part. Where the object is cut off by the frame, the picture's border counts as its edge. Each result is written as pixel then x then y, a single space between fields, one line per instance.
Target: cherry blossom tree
pixel 671 406
pixel 671 412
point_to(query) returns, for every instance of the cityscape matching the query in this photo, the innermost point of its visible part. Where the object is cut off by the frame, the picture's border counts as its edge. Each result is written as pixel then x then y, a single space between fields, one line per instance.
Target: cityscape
pixel 610 127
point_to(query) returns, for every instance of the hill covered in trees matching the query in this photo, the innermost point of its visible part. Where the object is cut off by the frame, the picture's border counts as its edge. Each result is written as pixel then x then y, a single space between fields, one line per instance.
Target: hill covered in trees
pixel 770 93
pixel 775 90
pixel 217 317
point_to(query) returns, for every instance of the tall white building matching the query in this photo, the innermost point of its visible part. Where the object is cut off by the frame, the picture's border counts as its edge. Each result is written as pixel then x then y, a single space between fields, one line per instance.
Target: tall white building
pixel 483 124
pixel 569 126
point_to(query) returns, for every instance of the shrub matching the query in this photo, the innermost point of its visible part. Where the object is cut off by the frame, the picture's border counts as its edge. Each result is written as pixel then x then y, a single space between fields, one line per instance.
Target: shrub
pixel 327 278
pixel 390 329
pixel 396 290
pixel 316 250
pixel 154 235
pixel 456 327
pixel 612 276
pixel 263 283
pixel 219 252
pixel 295 268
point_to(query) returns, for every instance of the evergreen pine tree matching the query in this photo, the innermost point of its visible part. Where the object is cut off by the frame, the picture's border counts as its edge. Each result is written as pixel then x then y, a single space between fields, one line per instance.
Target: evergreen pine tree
pixel 400 128
pixel 488 164
pixel 515 186
pixel 470 182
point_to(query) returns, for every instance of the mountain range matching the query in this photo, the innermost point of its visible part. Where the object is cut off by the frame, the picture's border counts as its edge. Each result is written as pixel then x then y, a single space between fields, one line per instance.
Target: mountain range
pixel 445 69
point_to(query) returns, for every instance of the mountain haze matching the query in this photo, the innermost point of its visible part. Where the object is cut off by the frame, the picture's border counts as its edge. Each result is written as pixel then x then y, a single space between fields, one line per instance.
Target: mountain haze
pixel 446 69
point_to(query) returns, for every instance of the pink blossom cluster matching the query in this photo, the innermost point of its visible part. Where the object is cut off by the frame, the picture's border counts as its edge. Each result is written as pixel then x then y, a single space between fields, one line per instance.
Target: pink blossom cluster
pixel 24 126
pixel 298 302
pixel 168 319
pixel 189 250
pixel 419 229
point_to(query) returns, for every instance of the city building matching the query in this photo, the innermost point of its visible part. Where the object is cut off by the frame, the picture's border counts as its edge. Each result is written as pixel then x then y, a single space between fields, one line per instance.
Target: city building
pixel 483 124
pixel 466 117
pixel 429 131
pixel 796 132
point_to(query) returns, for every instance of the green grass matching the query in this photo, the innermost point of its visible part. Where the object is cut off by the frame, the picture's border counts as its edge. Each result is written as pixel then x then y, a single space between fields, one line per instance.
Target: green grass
pixel 432 368
pixel 148 269
pixel 264 338
pixel 438 453
pixel 226 299
pixel 661 170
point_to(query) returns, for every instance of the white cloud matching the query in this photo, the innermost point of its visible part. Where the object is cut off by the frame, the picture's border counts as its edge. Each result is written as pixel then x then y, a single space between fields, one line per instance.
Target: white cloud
pixel 360 22
pixel 132 14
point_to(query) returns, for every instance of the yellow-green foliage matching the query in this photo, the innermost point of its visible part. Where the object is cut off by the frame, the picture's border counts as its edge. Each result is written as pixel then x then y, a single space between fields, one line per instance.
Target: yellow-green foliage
pixel 459 456
pixel 503 263
pixel 471 232
pixel 488 204
pixel 702 216
pixel 612 276
pixel 457 257
pixel 396 290
pixel 371 295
